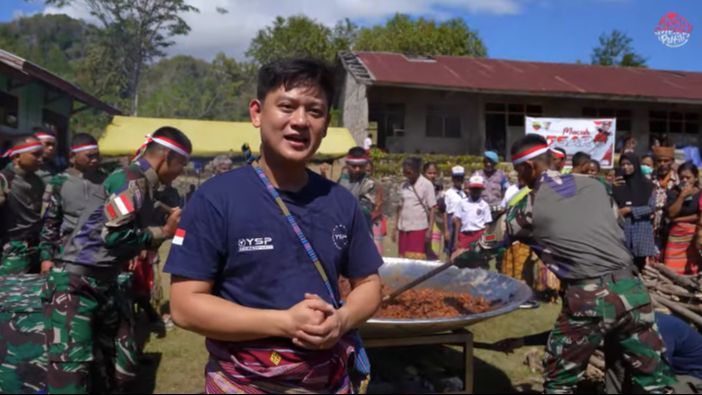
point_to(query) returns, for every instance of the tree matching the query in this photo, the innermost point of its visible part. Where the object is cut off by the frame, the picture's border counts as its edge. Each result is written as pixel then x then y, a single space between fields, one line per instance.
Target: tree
pixel 185 87
pixel 422 37
pixel 616 50
pixel 135 32
pixel 300 36
pixel 54 42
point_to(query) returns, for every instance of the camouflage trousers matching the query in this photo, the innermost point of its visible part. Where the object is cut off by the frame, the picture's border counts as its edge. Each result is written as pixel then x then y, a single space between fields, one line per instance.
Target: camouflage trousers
pixel 620 310
pixel 22 350
pixel 18 257
pixel 89 334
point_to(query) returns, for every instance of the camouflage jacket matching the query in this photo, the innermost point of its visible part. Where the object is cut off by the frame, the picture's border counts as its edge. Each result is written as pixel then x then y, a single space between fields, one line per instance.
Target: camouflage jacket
pixel 364 190
pixel 125 223
pixel 20 205
pixel 65 198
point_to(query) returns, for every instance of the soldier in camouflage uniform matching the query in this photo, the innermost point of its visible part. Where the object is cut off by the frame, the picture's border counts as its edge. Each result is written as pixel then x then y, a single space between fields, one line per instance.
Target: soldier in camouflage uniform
pixel 22 350
pixel 572 223
pixel 68 194
pixel 21 193
pixel 23 356
pixel 361 186
pixel 81 290
pixel 48 167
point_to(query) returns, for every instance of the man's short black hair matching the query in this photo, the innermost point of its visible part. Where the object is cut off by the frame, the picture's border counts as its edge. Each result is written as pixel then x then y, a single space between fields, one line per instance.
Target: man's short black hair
pixel 580 158
pixel 413 163
pixel 22 139
pixel 41 129
pixel 171 133
pixel 427 166
pixel 357 152
pixel 83 139
pixel 597 164
pixel 529 141
pixel 293 73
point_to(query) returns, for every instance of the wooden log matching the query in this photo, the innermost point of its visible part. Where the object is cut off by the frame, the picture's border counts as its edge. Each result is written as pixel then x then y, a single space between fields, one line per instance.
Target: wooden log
pixel 650 283
pixel 695 308
pixel 680 280
pixel 668 297
pixel 677 291
pixel 679 309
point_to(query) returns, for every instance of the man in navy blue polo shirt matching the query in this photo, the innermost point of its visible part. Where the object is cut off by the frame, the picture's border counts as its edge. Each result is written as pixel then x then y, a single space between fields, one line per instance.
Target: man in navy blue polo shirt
pixel 241 276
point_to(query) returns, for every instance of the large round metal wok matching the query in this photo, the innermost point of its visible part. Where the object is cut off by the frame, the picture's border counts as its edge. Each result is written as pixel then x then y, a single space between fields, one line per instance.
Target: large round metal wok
pixel 504 293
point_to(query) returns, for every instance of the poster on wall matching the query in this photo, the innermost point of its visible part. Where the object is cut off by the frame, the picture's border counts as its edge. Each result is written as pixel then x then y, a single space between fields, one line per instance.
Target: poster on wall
pixel 594 136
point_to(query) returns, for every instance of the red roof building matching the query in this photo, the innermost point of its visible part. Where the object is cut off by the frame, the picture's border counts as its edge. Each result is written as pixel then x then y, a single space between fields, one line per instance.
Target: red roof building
pixel 460 105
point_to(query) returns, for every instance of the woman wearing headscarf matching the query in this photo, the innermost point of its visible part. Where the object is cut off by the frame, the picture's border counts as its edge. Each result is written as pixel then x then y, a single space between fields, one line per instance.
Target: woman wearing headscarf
pixel 683 210
pixel 636 205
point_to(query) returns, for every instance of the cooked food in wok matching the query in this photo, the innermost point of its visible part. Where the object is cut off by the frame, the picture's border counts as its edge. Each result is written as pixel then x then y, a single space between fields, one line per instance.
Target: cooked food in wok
pixel 425 303
pixel 431 303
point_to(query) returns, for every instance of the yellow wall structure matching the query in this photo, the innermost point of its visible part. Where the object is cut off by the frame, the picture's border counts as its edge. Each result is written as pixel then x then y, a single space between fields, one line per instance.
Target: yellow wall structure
pixel 209 138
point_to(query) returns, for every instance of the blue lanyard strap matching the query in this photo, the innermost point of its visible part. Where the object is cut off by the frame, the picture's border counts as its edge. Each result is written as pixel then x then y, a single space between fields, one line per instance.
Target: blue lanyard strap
pixel 296 228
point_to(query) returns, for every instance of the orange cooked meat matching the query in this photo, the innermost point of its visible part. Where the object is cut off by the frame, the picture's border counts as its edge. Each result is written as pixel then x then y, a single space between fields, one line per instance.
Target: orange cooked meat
pixel 425 303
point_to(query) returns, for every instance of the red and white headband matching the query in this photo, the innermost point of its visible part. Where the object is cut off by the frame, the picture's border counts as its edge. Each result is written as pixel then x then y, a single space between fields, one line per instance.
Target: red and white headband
pixel 357 161
pixel 84 147
pixel 557 153
pixel 45 136
pixel 166 142
pixel 21 149
pixel 529 153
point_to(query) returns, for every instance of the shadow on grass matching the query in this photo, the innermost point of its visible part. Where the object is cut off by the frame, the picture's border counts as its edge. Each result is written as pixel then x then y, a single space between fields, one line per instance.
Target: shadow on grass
pixel 432 368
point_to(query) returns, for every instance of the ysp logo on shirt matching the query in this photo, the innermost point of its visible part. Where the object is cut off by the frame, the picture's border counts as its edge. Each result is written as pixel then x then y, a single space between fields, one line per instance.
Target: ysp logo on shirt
pixel 340 237
pixel 247 244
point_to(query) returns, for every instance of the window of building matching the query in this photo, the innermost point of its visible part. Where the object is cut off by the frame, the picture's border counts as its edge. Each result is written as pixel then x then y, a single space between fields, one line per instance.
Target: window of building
pixel 9 106
pixel 623 116
pixel 663 122
pixel 500 116
pixel 390 118
pixel 443 122
pixel 515 113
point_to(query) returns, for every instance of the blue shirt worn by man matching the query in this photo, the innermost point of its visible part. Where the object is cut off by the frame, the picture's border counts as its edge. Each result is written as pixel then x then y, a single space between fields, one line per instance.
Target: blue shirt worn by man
pixel 683 345
pixel 234 234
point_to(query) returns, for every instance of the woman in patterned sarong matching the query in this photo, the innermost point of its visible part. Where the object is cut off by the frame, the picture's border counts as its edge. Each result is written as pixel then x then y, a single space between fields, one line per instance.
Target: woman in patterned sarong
pixel 681 251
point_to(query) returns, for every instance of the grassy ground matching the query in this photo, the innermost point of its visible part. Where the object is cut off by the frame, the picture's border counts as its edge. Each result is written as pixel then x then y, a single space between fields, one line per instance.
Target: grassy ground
pixel 178 359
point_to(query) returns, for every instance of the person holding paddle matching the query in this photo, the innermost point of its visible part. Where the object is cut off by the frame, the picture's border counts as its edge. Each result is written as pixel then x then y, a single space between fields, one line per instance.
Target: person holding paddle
pixel 570 221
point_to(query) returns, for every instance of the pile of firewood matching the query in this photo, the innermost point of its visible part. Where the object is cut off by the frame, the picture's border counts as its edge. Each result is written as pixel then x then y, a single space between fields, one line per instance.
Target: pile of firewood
pixel 680 295
pixel 670 292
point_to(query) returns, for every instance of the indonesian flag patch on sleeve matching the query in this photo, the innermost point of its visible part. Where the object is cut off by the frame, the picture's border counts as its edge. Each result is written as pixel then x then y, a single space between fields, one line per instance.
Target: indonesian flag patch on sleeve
pixel 179 237
pixel 119 206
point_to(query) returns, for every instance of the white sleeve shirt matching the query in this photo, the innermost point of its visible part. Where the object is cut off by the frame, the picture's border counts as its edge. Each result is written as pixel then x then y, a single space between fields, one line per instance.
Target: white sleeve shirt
pixel 453 198
pixel 473 215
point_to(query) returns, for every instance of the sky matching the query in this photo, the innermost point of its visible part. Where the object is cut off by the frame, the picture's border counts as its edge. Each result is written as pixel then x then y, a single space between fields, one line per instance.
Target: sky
pixel 536 30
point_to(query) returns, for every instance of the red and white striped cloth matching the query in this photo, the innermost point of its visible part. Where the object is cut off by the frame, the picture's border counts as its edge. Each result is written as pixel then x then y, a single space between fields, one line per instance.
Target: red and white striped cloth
pixel 32 146
pixel 119 206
